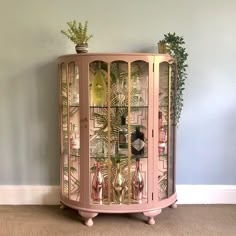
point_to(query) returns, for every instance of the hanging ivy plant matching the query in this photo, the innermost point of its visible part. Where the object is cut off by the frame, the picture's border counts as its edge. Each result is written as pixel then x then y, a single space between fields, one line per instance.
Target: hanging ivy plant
pixel 174 45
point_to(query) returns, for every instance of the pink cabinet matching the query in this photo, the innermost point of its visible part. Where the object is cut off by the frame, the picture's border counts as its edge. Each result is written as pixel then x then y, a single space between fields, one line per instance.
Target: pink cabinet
pixel 117 122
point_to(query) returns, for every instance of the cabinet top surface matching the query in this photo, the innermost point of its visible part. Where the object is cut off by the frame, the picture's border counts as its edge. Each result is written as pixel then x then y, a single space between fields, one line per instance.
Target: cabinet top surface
pixel 111 54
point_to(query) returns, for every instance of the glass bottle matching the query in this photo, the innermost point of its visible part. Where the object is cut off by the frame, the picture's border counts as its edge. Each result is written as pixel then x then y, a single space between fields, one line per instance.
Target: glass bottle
pixel 75 140
pixel 75 87
pixel 162 145
pixel 98 89
pixel 137 142
pixel 98 184
pixel 137 183
pixel 118 185
pixel 123 137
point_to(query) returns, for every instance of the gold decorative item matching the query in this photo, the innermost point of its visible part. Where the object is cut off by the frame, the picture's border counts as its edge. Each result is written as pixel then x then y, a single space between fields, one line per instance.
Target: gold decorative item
pixel 98 184
pixel 118 185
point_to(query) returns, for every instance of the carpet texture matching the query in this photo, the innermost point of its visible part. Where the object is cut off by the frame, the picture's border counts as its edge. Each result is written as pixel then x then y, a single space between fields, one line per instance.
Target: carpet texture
pixel 197 220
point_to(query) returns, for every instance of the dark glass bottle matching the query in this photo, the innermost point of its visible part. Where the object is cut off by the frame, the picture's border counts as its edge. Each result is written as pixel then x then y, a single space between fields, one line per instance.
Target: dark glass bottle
pixel 137 183
pixel 97 184
pixel 137 142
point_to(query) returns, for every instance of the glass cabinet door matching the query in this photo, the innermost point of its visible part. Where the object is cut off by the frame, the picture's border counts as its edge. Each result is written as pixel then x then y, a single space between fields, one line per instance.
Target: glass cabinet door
pixel 166 142
pixel 118 130
pixel 70 130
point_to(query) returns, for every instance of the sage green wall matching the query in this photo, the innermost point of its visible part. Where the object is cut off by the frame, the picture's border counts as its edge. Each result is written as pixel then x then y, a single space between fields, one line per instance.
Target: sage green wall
pixel 31 41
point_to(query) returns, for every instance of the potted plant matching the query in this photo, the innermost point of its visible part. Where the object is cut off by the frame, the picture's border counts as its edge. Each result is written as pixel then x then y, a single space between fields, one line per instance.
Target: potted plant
pixel 78 34
pixel 174 45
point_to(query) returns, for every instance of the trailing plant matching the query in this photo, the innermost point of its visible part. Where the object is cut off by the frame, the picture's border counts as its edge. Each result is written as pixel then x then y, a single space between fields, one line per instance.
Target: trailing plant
pixel 77 32
pixel 174 45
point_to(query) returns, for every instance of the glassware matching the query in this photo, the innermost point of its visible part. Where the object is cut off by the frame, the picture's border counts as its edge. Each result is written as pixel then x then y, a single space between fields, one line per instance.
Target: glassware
pixel 137 142
pixel 137 183
pixel 75 139
pixel 118 185
pixel 98 184
pixel 162 145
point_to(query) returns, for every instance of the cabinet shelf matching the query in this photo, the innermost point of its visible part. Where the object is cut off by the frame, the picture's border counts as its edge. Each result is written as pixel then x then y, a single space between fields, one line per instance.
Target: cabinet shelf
pixel 120 157
pixel 126 202
pixel 106 107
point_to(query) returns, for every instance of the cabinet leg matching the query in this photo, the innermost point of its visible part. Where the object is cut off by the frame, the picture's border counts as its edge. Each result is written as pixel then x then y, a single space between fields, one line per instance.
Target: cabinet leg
pixel 88 216
pixel 174 205
pixel 62 206
pixel 151 215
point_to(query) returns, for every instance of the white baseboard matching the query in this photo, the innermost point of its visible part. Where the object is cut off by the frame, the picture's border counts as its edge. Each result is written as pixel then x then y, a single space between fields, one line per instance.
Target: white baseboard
pixel 29 195
pixel 206 194
pixel 49 195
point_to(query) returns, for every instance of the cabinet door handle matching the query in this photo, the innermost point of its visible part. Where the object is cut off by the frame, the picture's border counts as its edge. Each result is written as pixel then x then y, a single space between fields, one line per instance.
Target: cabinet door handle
pixel 85 122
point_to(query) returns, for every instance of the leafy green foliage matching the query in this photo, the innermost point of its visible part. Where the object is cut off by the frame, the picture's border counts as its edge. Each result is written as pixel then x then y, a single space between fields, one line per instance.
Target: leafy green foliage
pixel 77 32
pixel 175 47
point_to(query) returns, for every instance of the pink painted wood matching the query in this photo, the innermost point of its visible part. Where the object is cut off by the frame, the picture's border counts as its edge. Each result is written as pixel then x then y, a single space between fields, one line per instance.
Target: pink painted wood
pixel 83 203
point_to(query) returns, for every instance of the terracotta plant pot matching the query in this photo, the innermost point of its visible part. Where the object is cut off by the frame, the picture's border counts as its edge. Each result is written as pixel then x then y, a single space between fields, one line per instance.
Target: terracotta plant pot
pixel 81 48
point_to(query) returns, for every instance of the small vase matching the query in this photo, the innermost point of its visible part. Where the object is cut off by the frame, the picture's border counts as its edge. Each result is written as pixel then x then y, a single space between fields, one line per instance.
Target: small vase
pixel 98 184
pixel 81 48
pixel 118 185
pixel 137 183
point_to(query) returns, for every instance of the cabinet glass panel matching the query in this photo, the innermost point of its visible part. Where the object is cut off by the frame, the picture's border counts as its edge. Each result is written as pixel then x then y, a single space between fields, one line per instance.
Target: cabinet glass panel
pixel 74 112
pixel 138 119
pixel 163 116
pixel 171 167
pixel 98 133
pixel 70 130
pixel 64 126
pixel 118 111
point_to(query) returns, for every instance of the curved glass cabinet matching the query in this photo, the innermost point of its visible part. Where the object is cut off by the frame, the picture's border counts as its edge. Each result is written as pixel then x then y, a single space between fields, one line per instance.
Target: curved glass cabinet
pixel 117 122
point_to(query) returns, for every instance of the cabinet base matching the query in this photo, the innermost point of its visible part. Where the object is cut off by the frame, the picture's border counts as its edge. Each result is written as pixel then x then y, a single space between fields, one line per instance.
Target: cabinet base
pixel 88 216
pixel 151 215
pixel 89 213
pixel 174 205
pixel 62 206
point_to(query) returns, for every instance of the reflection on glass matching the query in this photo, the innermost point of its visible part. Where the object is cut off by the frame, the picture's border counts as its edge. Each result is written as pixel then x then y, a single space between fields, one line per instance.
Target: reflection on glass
pixel 74 81
pixel 163 129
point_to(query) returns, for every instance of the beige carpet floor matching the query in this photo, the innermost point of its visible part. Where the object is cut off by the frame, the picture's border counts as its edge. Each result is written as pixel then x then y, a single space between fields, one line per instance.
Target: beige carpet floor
pixel 197 220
